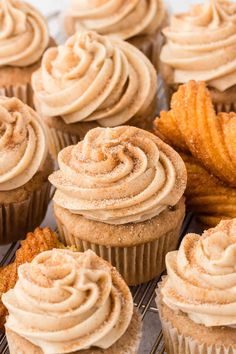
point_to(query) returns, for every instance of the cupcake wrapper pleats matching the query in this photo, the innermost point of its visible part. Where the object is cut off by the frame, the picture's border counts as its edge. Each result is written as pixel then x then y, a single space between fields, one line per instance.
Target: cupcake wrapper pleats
pixel 137 264
pixel 58 140
pixel 16 219
pixel 222 106
pixel 23 92
pixel 225 107
pixel 151 46
pixel 176 343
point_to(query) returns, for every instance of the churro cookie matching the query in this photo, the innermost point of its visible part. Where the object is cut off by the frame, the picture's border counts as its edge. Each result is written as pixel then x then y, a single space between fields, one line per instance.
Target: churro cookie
pixel 206 142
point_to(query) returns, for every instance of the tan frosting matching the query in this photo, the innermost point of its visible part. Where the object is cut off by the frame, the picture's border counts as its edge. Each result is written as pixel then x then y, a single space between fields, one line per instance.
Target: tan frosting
pixel 93 78
pixel 118 175
pixel 22 143
pixel 23 34
pixel 201 44
pixel 201 278
pixel 68 301
pixel 121 18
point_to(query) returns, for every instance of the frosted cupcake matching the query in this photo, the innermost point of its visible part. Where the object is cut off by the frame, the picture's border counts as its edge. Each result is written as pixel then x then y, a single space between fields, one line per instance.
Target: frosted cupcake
pixel 70 302
pixel 23 40
pixel 24 169
pixel 201 46
pixel 119 193
pixel 197 299
pixel 93 81
pixel 139 22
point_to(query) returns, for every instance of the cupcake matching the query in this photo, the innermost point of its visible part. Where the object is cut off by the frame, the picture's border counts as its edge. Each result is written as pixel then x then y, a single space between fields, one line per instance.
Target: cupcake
pixel 71 302
pixel 119 193
pixel 23 40
pixel 201 45
pixel 138 22
pixel 93 81
pixel 24 169
pixel 206 142
pixel 196 300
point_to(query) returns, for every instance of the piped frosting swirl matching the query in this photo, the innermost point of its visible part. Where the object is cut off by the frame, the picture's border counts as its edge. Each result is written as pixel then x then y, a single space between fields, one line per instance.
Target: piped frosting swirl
pixel 201 44
pixel 23 146
pixel 23 34
pixel 121 18
pixel 119 175
pixel 202 276
pixel 68 301
pixel 94 78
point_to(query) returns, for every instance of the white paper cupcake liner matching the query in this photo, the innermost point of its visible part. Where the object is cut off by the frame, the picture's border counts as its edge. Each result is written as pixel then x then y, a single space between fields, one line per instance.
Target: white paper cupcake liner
pixel 58 139
pixel 137 264
pixel 23 92
pixel 17 219
pixel 225 107
pixel 219 106
pixel 150 46
pixel 177 343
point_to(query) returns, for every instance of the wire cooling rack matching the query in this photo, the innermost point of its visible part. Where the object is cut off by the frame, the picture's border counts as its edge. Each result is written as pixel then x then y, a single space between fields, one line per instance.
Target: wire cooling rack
pixel 144 295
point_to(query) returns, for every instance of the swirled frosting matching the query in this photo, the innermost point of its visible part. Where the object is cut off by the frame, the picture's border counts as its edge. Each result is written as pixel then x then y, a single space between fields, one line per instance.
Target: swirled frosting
pixel 119 175
pixel 201 278
pixel 23 34
pixel 120 18
pixel 23 146
pixel 93 78
pixel 68 301
pixel 201 45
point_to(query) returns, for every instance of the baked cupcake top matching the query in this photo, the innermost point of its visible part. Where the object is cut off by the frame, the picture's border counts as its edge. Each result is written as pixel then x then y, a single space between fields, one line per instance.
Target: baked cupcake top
pixel 94 78
pixel 202 276
pixel 23 146
pixel 201 44
pixel 23 34
pixel 119 175
pixel 123 19
pixel 68 301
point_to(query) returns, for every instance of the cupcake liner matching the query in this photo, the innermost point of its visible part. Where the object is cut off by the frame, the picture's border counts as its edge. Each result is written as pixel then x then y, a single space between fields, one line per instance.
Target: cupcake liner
pixel 23 92
pixel 224 101
pixel 137 264
pixel 150 46
pixel 145 121
pixel 224 107
pixel 219 106
pixel 58 140
pixel 176 343
pixel 168 93
pixel 16 219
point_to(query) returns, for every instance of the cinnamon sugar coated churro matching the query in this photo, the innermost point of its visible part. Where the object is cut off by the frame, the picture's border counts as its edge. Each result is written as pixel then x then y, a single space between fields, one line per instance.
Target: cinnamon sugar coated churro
pixel 206 142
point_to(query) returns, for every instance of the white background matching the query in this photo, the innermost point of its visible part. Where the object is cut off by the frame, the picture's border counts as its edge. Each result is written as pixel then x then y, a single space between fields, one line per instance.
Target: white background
pixel 48 6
